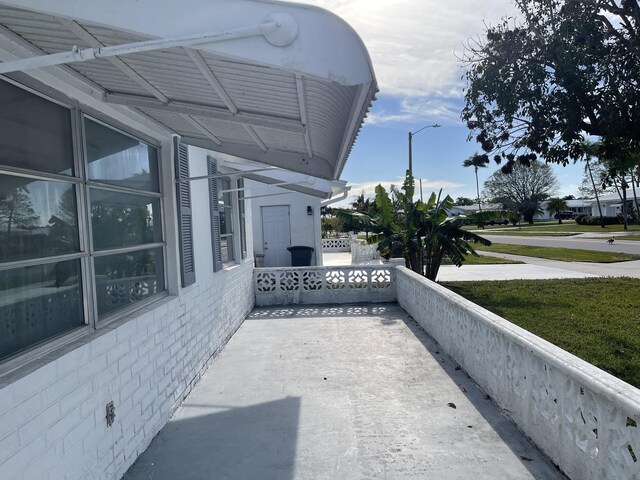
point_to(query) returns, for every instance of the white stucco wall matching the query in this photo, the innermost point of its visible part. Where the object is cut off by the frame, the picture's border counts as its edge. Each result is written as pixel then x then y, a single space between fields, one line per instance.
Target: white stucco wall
pixel 305 229
pixel 52 408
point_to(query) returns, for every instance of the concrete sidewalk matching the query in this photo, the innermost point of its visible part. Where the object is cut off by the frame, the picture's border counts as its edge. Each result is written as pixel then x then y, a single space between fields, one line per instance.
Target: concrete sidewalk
pixel 531 269
pixel 337 392
pixel 537 268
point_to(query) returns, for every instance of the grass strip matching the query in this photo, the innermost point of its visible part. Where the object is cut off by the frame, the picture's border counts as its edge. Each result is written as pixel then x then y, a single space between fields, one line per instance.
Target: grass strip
pixel 561 254
pixel 523 233
pixel 596 319
pixel 483 260
pixel 544 228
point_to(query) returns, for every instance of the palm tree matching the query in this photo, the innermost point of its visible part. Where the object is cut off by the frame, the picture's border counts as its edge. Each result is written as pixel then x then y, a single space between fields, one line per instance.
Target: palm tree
pixel 590 150
pixel 476 161
pixel 557 205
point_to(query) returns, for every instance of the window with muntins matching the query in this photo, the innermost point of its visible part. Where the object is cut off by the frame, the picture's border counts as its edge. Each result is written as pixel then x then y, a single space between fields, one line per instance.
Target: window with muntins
pixel 80 219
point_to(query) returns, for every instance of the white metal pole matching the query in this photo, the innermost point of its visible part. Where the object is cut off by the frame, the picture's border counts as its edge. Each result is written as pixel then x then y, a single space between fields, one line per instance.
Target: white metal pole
pixel 84 54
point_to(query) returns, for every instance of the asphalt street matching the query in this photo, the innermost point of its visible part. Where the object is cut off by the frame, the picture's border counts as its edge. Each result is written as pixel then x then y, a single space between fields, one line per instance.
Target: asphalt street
pixel 577 242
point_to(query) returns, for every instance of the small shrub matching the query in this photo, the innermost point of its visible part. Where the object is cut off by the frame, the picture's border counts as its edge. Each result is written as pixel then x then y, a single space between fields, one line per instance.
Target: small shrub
pixel 595 220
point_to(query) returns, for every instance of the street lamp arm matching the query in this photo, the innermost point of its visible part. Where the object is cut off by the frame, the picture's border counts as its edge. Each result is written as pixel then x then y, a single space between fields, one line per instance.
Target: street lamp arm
pixel 411 134
pixel 435 125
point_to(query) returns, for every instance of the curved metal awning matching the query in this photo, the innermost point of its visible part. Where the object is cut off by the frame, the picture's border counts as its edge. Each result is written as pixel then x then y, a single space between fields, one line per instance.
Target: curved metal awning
pixel 283 84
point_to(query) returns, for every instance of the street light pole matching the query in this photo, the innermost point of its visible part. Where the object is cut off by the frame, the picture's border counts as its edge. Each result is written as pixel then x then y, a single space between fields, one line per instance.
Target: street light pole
pixel 411 134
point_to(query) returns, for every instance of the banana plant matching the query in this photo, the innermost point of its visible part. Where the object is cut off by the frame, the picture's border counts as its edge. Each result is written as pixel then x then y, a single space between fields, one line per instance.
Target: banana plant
pixel 444 236
pixel 421 233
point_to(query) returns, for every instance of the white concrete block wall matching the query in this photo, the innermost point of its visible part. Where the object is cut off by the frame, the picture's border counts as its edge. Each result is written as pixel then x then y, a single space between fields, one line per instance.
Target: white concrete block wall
pixel 52 421
pixel 583 418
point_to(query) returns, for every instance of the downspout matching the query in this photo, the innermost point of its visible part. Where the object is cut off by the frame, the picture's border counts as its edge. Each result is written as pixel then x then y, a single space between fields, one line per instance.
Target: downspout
pixel 333 200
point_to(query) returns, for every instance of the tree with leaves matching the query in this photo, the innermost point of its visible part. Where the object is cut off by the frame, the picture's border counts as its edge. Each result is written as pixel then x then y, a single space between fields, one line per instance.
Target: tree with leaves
pixel 569 68
pixel 476 161
pixel 557 206
pixel 523 189
pixel 16 210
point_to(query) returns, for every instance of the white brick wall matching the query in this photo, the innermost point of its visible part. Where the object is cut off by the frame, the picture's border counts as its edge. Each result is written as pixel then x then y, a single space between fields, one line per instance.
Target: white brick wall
pixel 52 421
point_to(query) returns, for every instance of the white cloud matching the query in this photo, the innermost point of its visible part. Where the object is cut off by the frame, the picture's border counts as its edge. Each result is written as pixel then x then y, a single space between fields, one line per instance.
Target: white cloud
pixel 415 44
pixel 427 186
pixel 418 110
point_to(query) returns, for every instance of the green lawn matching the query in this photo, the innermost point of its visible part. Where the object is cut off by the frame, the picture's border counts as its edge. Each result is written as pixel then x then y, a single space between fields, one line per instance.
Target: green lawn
pixel 527 233
pixel 482 260
pixel 544 228
pixel 596 319
pixel 562 254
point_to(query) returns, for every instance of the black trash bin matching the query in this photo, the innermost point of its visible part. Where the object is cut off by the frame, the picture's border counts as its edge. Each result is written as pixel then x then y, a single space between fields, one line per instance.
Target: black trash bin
pixel 300 256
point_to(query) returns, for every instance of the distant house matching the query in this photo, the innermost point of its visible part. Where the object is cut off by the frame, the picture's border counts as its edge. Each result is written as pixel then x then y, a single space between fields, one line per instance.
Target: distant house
pixel 610 203
pixel 580 206
pixel 469 209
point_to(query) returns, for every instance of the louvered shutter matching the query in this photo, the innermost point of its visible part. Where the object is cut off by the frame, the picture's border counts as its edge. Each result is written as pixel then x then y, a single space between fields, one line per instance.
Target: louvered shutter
pixel 212 165
pixel 243 228
pixel 185 228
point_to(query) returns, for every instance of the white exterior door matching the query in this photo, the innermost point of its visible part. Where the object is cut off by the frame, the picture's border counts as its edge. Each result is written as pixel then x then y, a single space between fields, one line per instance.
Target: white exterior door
pixel 276 234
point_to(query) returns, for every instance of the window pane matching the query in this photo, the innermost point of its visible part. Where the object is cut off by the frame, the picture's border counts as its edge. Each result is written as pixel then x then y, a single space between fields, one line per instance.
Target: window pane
pixel 34 133
pixel 119 159
pixel 224 202
pixel 37 218
pixel 226 247
pixel 126 278
pixel 38 303
pixel 119 219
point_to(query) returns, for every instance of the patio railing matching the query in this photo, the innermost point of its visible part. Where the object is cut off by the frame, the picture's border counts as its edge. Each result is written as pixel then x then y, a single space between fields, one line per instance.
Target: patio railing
pixel 309 285
pixel 583 418
pixel 336 244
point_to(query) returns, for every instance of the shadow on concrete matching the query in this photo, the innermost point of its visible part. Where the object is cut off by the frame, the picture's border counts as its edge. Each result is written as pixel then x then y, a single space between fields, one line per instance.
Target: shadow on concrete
pixel 237 443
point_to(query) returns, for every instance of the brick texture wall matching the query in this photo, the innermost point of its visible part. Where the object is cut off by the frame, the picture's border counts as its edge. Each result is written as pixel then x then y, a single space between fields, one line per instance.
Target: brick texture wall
pixel 52 421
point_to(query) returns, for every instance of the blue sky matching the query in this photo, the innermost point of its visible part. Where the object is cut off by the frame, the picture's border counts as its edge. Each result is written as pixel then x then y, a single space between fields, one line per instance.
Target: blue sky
pixel 414 47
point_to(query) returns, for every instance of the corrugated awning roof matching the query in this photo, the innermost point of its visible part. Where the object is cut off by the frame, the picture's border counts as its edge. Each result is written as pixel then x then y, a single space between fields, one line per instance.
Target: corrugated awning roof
pixel 289 86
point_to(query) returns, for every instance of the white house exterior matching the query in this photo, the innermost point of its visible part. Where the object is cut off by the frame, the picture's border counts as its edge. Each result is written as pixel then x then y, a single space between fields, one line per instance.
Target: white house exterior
pixel 580 206
pixel 289 215
pixel 610 203
pixel 469 209
pixel 126 262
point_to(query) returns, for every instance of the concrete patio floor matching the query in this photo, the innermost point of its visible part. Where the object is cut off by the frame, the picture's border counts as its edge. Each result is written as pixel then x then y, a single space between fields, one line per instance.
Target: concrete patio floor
pixel 337 392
